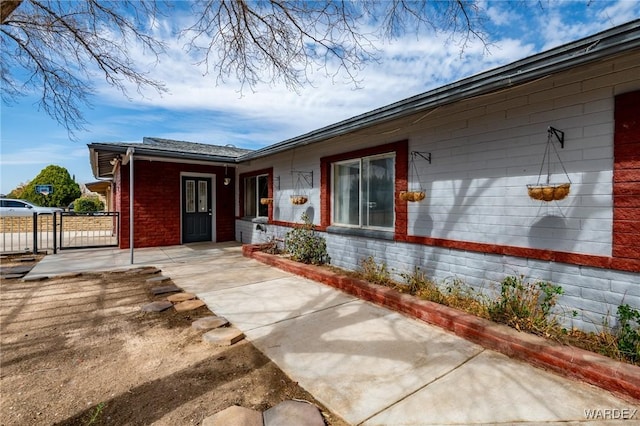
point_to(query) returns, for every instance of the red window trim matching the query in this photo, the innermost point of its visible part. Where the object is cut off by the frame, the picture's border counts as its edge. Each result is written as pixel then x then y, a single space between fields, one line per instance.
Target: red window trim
pixel 401 151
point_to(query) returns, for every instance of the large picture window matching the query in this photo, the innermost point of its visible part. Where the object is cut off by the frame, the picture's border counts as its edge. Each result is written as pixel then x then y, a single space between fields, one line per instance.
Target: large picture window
pixel 363 192
pixel 256 187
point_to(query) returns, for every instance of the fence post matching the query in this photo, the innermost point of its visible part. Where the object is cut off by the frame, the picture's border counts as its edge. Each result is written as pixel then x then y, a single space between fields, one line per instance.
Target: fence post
pixel 61 230
pixel 35 233
pixel 55 234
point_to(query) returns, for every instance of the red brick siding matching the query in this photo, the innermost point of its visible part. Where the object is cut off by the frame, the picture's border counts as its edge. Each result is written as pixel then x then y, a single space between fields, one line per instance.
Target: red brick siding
pixel 626 177
pixel 157 203
pixel 401 150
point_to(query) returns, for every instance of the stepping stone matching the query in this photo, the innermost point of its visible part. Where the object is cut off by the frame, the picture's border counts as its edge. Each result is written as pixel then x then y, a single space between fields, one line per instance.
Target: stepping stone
pixel 16 269
pixel 208 323
pixel 158 279
pixel 150 271
pixel 12 276
pixel 188 305
pixel 223 337
pixel 293 413
pixel 158 306
pixel 181 297
pixel 165 289
pixel 235 416
pixel 143 271
pixel 27 259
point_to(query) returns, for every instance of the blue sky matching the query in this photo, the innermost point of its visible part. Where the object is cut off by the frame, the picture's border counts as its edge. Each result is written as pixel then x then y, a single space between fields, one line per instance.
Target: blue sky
pixel 199 110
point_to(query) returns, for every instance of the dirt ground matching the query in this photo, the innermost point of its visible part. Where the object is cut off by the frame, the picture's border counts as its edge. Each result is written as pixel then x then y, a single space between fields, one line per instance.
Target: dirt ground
pixel 79 351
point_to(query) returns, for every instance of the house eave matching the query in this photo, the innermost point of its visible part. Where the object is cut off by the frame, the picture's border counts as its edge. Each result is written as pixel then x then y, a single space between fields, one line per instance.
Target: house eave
pixel 591 49
pixel 101 154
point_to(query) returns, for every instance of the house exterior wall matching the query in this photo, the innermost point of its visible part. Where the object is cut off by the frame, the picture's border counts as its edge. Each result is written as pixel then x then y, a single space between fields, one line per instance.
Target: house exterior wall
pixel 477 222
pixel 157 203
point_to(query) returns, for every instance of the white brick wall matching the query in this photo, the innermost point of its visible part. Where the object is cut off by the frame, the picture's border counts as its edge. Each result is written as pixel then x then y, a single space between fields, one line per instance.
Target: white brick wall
pixel 593 293
pixel 484 153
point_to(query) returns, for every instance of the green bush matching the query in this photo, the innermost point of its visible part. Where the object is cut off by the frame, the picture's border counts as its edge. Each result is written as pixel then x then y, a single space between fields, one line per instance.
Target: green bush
pixel 305 245
pixel 525 306
pixel 629 333
pixel 88 205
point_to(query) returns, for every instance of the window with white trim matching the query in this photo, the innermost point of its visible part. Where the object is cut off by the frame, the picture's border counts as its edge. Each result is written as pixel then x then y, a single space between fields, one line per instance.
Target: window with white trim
pixel 363 192
pixel 255 188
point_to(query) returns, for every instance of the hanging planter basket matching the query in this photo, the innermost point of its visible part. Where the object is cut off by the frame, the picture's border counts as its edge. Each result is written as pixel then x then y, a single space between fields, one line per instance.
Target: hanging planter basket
pixel 416 194
pixel 412 195
pixel 299 199
pixel 303 183
pixel 550 191
pixel 266 201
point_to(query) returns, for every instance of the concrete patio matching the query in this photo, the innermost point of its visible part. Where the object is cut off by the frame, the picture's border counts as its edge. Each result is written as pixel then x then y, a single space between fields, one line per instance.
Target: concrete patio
pixel 367 364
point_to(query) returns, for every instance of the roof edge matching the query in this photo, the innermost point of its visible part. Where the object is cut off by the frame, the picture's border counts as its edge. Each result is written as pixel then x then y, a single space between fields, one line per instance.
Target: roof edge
pixel 589 49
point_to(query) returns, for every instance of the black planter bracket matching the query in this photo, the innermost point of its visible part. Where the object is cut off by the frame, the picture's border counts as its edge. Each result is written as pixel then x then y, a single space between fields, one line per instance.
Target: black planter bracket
pixel 424 155
pixel 559 134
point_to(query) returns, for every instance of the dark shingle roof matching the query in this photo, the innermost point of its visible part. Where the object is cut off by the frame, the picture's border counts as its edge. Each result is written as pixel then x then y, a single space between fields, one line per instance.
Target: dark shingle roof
pixel 102 153
pixel 194 147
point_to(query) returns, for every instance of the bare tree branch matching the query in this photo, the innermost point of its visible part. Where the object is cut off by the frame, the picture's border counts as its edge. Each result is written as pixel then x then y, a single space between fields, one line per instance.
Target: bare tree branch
pixel 7 7
pixel 57 48
pixel 60 47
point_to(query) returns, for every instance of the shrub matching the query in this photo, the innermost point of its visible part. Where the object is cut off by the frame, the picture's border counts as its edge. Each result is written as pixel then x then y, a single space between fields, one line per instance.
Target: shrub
pixel 305 245
pixel 87 205
pixel 523 305
pixel 417 283
pixel 372 272
pixel 629 333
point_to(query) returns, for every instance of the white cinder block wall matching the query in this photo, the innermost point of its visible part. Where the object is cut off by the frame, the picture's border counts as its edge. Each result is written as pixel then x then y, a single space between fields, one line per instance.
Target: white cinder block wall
pixel 484 153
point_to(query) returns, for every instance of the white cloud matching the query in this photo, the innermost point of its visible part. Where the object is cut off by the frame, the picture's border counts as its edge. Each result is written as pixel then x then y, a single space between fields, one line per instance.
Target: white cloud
pixel 620 12
pixel 406 67
pixel 42 155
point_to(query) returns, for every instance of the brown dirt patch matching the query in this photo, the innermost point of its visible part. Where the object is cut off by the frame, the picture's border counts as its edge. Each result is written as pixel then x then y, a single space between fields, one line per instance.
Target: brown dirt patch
pixel 77 347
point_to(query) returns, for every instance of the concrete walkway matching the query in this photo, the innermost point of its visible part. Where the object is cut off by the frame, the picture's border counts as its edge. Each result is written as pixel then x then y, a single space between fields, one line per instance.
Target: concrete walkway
pixel 367 364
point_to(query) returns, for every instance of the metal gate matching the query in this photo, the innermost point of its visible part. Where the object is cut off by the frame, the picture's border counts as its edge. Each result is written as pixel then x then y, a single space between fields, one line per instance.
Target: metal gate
pixel 58 231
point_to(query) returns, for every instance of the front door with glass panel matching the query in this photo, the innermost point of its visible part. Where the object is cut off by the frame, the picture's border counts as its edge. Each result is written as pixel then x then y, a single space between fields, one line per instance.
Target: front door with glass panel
pixel 196 209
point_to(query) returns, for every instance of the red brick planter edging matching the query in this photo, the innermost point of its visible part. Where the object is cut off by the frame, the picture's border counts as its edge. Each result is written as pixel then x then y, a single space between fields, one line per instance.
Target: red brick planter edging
pixel 620 378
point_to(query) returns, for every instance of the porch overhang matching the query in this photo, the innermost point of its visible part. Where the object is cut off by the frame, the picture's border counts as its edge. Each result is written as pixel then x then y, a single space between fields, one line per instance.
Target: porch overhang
pixel 104 156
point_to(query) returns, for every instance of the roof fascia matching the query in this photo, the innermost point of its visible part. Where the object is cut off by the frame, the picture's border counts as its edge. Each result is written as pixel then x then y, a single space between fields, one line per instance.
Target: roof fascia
pixel 590 49
pixel 177 156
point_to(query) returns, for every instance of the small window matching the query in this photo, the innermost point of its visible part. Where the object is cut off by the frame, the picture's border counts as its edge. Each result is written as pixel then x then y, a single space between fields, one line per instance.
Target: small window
pixel 363 192
pixel 255 188
pixel 190 196
pixel 203 196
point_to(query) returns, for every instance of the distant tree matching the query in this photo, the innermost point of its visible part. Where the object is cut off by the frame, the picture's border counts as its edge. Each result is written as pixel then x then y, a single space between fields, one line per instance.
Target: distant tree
pixel 58 48
pixel 65 190
pixel 18 190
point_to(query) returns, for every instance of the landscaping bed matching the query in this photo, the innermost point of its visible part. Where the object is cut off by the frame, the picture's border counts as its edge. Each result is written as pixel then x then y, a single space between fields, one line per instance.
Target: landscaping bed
pixel 621 378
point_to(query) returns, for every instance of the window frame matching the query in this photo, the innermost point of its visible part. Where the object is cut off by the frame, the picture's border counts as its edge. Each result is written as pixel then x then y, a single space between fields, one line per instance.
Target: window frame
pixel 362 209
pixel 257 174
pixel 401 150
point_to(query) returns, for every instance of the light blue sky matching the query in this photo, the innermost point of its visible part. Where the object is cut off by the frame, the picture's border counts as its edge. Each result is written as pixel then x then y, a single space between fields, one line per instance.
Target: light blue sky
pixel 198 110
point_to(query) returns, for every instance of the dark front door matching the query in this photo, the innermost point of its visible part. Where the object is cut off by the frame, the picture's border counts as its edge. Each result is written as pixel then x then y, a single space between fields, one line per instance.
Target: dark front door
pixel 196 209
